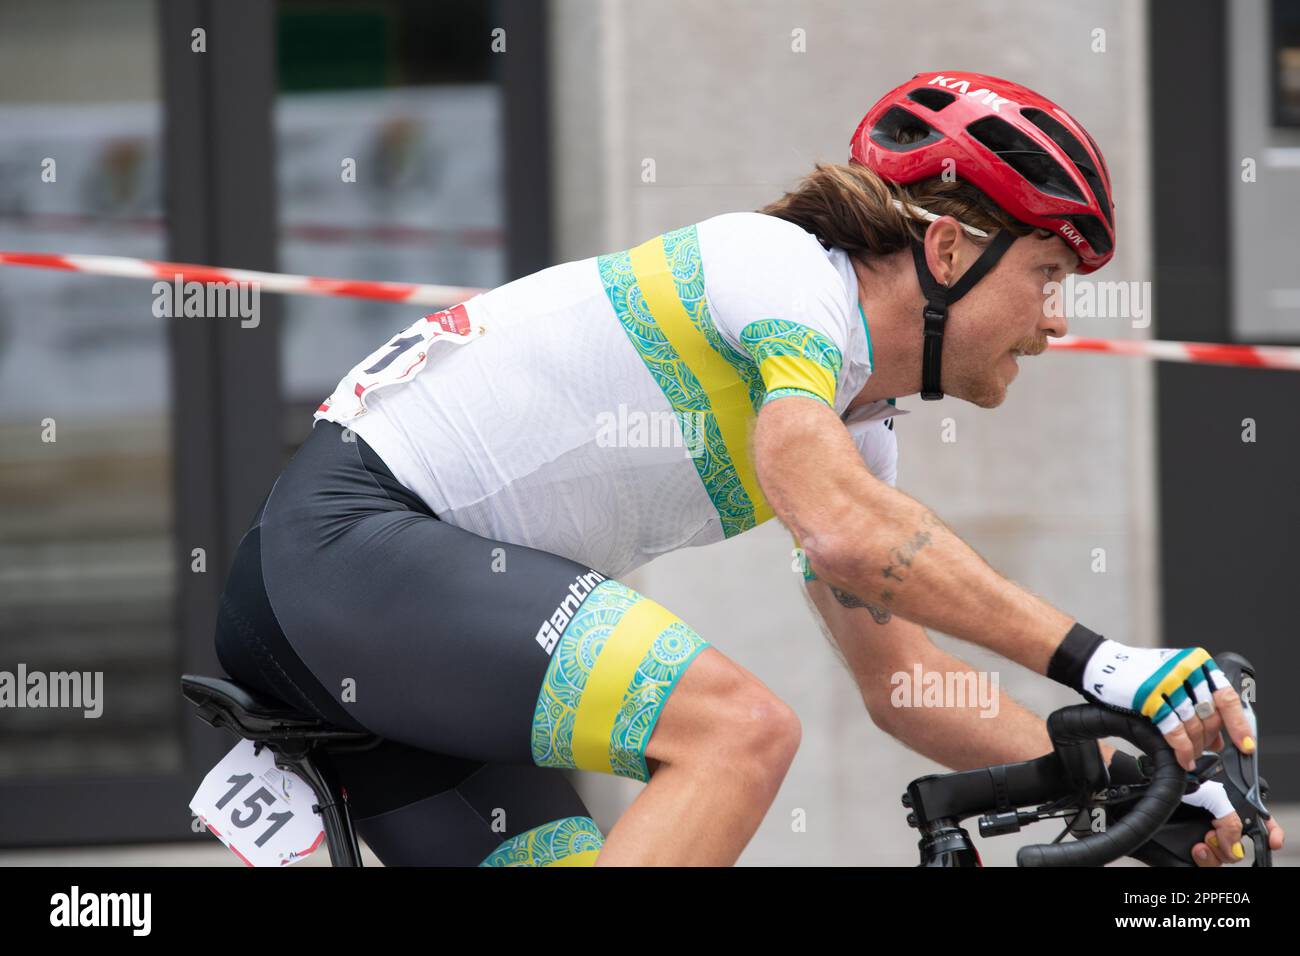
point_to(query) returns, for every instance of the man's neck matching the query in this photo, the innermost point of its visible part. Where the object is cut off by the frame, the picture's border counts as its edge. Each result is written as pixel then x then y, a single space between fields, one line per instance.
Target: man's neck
pixel 886 292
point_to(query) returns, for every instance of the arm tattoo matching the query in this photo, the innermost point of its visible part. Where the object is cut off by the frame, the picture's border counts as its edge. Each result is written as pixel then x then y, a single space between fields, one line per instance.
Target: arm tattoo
pixel 878 614
pixel 847 599
pixel 902 556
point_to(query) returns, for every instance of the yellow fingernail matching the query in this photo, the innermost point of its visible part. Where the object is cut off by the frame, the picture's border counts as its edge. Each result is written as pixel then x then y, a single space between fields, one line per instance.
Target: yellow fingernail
pixel 1238 852
pixel 1212 840
pixel 1248 745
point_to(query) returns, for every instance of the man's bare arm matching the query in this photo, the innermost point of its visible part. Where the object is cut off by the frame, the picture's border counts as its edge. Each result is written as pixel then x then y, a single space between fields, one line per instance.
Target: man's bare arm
pixel 959 738
pixel 885 548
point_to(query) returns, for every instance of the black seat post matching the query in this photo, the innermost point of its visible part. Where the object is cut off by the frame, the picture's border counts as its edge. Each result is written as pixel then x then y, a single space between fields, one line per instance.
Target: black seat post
pixel 340 835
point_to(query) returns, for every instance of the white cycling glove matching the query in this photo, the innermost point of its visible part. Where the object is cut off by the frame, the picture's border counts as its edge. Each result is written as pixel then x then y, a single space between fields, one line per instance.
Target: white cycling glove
pixel 1167 685
pixel 1212 797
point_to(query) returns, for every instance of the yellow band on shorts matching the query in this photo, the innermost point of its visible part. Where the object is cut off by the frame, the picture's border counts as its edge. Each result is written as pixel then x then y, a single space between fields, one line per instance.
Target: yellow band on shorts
pixel 610 675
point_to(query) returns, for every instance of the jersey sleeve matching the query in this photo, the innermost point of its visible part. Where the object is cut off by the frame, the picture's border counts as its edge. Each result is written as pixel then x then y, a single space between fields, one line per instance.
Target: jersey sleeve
pixel 776 299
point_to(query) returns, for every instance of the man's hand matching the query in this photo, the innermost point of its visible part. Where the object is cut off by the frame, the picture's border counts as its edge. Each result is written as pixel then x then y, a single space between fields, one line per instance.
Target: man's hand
pixel 1182 691
pixel 1223 843
pixel 1210 803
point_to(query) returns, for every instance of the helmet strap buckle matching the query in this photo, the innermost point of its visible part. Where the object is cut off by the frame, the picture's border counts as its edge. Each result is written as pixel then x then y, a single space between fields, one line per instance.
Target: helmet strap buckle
pixel 935 315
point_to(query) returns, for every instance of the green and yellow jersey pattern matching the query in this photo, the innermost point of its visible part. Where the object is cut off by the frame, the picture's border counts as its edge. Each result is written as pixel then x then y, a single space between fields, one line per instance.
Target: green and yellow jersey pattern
pixel 714 387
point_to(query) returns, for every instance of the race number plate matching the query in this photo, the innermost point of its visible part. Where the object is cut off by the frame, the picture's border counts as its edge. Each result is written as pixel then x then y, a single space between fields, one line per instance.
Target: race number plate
pixel 398 360
pixel 262 813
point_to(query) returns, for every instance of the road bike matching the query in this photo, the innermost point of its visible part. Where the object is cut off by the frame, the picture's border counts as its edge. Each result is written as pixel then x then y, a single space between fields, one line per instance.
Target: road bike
pixel 1145 821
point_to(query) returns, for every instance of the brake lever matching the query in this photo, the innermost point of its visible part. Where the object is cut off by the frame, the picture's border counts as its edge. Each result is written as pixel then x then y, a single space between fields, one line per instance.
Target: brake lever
pixel 1242 770
pixel 1245 787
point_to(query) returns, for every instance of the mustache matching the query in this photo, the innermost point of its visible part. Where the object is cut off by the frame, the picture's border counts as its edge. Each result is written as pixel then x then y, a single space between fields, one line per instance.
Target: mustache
pixel 1035 345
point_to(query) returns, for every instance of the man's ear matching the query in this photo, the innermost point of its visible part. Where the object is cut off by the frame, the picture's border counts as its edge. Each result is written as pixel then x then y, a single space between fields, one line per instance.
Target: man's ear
pixel 944 241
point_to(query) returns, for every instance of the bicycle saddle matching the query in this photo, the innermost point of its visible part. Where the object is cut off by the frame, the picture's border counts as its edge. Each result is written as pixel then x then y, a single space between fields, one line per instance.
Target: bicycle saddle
pixel 255 716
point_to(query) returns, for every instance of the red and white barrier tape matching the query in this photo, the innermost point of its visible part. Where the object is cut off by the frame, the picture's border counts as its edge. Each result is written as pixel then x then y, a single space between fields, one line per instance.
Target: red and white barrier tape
pixel 1200 353
pixel 1203 353
pixel 439 295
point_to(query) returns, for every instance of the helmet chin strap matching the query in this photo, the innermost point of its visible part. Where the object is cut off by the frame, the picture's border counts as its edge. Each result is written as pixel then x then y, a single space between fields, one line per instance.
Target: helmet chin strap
pixel 939 297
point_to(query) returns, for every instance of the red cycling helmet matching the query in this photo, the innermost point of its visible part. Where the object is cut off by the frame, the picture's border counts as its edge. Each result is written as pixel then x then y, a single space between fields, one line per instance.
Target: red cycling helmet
pixel 1022 150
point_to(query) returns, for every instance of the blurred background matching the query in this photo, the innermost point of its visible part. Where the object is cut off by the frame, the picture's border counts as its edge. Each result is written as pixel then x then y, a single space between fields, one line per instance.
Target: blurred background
pixel 495 138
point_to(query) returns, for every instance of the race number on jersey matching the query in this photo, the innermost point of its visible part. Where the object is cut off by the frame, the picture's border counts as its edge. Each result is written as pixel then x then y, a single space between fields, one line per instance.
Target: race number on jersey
pixel 399 360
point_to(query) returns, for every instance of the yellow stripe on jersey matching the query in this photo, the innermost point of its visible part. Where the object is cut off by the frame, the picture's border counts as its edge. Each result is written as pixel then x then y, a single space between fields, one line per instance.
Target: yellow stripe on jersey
pixel 726 391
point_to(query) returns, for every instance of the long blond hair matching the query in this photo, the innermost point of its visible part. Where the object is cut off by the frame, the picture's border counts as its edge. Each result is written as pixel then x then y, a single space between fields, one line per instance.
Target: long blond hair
pixel 850 207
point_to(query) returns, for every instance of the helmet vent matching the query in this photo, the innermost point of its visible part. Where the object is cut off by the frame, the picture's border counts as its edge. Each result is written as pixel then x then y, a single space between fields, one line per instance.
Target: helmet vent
pixel 931 97
pixel 1100 158
pixel 1063 138
pixel 900 130
pixel 1026 157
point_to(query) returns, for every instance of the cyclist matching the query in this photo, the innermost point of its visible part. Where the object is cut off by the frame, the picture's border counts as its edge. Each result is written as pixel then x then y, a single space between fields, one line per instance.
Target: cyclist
pixel 439 562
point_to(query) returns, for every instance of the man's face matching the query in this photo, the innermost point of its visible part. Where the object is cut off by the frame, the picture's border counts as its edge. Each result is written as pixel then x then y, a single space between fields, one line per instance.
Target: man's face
pixel 1003 318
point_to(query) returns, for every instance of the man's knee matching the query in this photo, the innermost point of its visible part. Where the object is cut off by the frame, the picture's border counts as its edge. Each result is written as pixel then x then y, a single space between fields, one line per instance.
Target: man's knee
pixel 629 683
pixel 722 716
pixel 754 731
pixel 766 730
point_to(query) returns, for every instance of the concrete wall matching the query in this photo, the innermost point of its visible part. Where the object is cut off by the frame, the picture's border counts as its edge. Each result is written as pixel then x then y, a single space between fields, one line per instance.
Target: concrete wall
pixel 730 115
pixel 1265 245
pixel 78 51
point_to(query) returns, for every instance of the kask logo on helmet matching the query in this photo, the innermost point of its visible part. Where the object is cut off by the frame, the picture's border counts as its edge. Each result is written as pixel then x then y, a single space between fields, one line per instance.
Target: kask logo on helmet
pixel 963 86
pixel 1070 233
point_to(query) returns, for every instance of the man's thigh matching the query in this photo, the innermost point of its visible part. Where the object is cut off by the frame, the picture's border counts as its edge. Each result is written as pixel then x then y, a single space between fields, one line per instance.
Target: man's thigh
pixel 436 637
pixel 415 808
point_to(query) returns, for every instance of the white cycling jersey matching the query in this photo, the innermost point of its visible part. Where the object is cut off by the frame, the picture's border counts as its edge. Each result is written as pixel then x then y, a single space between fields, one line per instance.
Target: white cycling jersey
pixel 605 412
